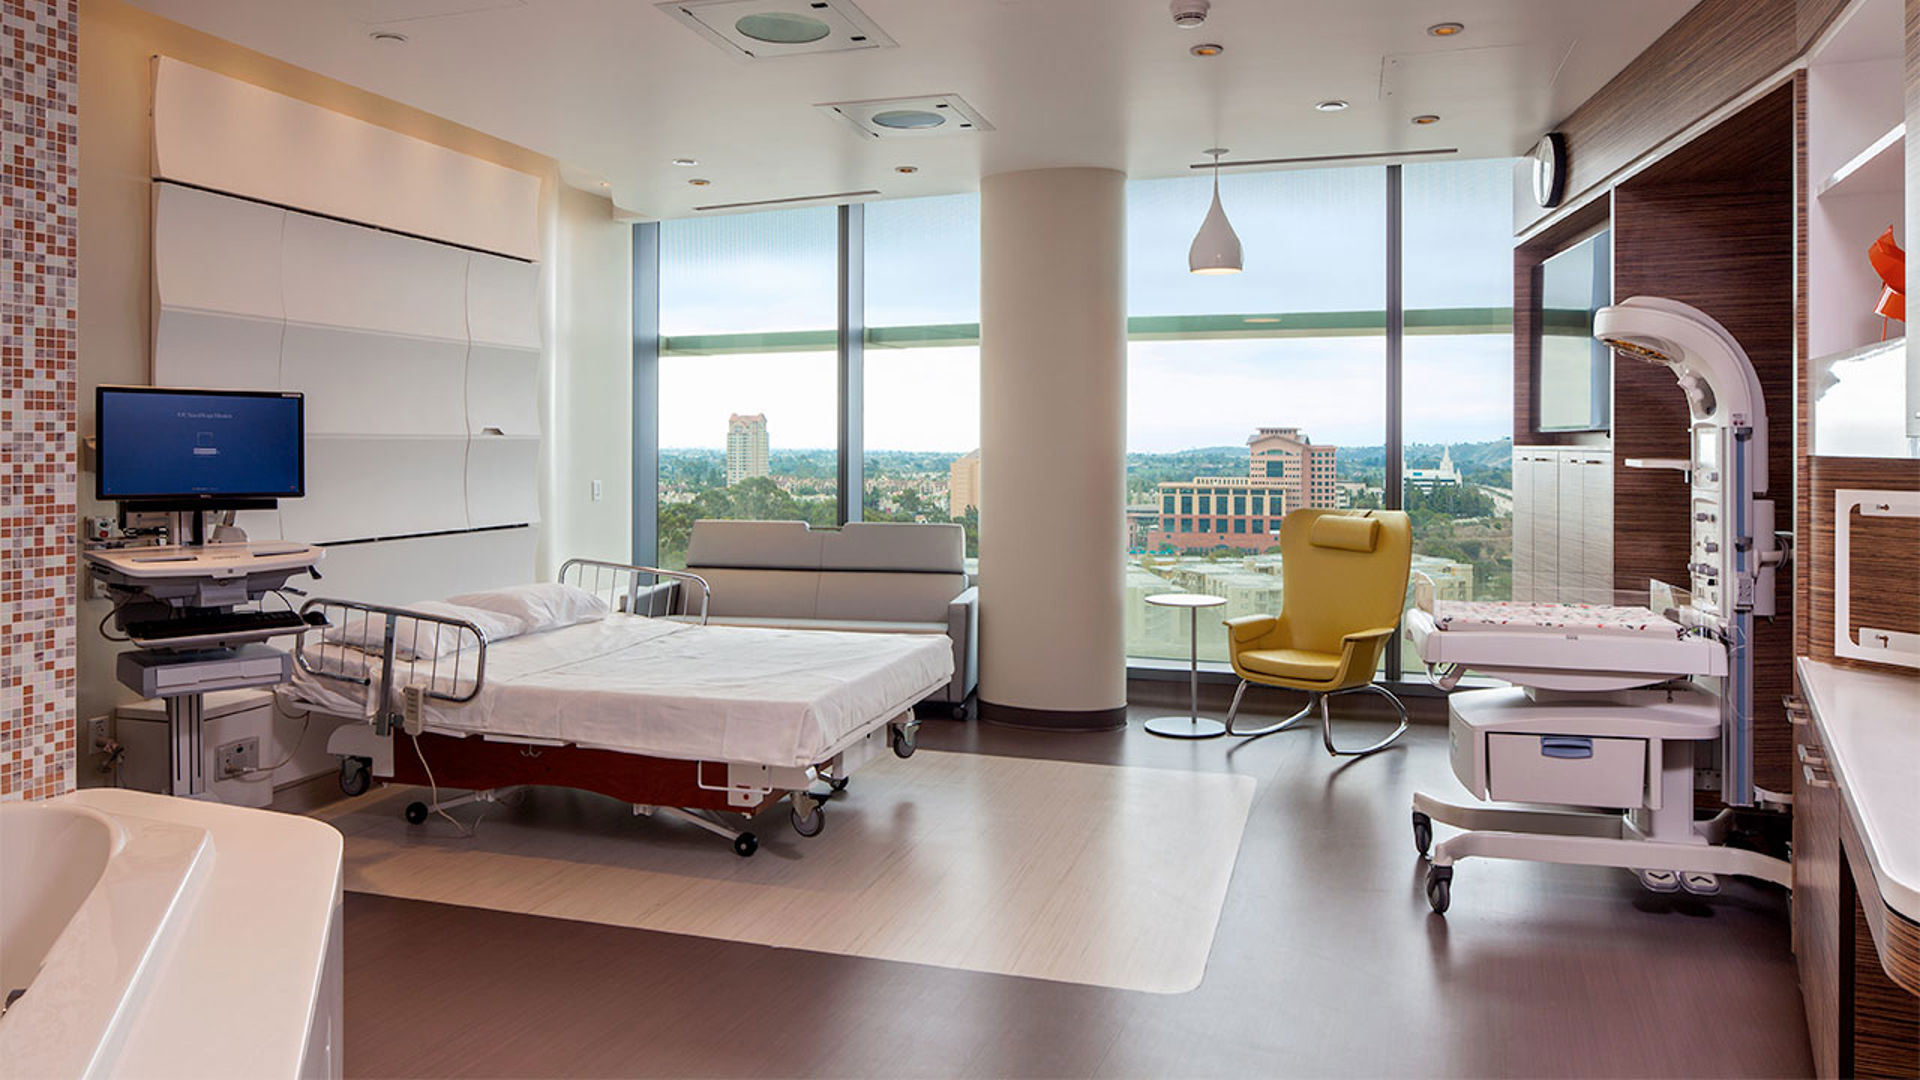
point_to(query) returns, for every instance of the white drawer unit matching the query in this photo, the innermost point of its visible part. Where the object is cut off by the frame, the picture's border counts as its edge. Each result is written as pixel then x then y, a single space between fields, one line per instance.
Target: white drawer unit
pixel 1577 770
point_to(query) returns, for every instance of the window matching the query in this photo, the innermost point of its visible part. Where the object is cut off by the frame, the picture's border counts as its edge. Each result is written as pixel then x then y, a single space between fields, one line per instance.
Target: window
pixel 1458 486
pixel 748 393
pixel 922 390
pixel 1231 378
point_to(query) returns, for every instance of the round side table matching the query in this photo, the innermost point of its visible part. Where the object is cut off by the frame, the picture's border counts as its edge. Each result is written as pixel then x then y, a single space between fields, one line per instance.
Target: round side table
pixel 1193 725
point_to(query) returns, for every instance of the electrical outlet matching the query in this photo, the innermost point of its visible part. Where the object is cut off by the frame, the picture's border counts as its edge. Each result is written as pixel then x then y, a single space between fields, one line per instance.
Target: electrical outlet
pixel 97 734
pixel 240 756
pixel 596 491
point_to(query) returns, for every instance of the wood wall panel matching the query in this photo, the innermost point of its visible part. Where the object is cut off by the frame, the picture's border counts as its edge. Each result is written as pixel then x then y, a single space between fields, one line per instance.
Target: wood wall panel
pixel 1712 55
pixel 1894 599
pixel 1690 231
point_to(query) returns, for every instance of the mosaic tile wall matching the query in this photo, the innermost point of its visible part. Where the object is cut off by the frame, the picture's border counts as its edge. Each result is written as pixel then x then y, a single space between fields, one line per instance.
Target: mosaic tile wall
pixel 39 372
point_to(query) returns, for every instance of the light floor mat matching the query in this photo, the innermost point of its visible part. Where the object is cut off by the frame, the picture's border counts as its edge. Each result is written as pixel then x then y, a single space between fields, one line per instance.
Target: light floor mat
pixel 1094 874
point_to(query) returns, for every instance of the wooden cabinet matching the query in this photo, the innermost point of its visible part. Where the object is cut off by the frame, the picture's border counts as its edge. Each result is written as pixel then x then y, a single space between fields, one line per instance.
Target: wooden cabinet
pixel 1816 892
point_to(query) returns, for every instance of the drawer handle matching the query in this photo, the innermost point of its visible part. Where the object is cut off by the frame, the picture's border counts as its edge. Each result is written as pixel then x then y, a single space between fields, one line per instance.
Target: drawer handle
pixel 1571 747
pixel 1812 780
pixel 1796 710
pixel 1809 757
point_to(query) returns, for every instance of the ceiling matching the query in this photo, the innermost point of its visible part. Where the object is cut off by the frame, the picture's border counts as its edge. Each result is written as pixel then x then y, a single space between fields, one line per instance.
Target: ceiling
pixel 616 89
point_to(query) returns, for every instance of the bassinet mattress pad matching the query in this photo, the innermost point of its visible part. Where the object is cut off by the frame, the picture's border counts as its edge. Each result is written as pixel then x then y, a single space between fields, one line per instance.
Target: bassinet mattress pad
pixel 678 690
pixel 1502 615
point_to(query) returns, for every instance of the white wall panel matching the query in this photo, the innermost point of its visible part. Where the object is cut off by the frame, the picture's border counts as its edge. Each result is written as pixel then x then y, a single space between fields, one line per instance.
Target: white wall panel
pixel 223 352
pixel 221 133
pixel 1523 586
pixel 503 480
pixel 503 301
pixel 1571 530
pixel 428 567
pixel 359 488
pixel 376 384
pixel 215 253
pixel 363 279
pixel 503 390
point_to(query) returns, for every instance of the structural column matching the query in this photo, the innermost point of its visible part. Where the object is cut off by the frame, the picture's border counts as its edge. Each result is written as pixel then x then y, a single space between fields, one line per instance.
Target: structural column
pixel 1053 364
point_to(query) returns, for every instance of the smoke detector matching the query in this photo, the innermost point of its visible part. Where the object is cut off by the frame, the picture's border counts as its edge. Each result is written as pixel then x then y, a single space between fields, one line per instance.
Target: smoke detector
pixel 1188 14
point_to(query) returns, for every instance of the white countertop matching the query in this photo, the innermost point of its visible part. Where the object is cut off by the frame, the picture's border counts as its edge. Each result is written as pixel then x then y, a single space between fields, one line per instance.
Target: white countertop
pixel 1870 724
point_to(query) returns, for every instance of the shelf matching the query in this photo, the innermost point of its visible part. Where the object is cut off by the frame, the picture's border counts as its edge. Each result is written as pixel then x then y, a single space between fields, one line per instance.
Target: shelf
pixel 1877 170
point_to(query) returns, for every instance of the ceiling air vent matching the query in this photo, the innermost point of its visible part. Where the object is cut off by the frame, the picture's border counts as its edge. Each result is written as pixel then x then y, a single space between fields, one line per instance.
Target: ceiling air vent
pixel 910 118
pixel 767 28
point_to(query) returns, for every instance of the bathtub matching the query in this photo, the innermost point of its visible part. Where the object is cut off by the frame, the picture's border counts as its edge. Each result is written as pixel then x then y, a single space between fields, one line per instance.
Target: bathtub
pixel 152 936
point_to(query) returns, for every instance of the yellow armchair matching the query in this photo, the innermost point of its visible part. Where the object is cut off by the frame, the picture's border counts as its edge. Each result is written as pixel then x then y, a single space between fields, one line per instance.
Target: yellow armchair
pixel 1344 582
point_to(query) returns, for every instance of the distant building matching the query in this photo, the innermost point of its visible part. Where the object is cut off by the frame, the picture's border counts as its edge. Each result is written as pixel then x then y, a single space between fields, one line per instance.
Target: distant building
pixel 1451 580
pixel 1428 479
pixel 1285 471
pixel 963 485
pixel 746 447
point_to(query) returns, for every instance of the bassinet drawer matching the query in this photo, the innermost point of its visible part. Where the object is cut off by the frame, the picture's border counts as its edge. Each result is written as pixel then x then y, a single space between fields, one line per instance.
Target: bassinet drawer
pixel 1578 770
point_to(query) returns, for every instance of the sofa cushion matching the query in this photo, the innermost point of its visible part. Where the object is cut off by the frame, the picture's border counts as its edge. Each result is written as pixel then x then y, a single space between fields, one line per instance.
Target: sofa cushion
pixel 788 594
pixel 862 626
pixel 775 545
pixel 901 546
pixel 895 597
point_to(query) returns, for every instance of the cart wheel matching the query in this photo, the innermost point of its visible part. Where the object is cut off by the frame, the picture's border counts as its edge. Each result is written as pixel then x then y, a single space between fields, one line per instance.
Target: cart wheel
pixel 745 844
pixel 356 775
pixel 838 783
pixel 964 710
pixel 809 824
pixel 1422 832
pixel 1439 888
pixel 903 742
pixel 416 813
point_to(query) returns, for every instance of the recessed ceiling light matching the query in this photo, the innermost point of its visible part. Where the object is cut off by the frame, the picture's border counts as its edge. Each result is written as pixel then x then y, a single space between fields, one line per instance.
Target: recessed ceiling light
pixel 782 28
pixel 1446 29
pixel 699 181
pixel 1208 49
pixel 1426 118
pixel 388 37
pixel 906 170
pixel 603 183
pixel 908 119
pixel 685 162
pixel 1330 105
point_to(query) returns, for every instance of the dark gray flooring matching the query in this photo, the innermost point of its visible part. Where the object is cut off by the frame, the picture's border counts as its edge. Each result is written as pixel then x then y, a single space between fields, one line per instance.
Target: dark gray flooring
pixel 1327 962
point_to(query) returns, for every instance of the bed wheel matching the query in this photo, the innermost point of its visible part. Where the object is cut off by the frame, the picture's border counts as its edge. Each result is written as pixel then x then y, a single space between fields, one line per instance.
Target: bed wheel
pixel 1422 832
pixel 1439 888
pixel 416 813
pixel 811 823
pixel 903 741
pixel 746 844
pixel 838 784
pixel 356 775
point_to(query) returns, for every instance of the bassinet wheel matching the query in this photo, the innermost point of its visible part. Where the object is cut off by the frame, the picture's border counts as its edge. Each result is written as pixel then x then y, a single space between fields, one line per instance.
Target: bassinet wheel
pixel 903 741
pixel 356 775
pixel 416 813
pixel 745 844
pixel 838 783
pixel 1422 832
pixel 809 824
pixel 1439 888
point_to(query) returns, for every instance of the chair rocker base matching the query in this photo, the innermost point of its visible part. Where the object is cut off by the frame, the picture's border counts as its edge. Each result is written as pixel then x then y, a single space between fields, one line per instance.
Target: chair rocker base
pixel 1317 699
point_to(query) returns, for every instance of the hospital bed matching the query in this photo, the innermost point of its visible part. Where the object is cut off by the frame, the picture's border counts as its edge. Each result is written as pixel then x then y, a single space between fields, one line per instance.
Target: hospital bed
pixel 666 713
pixel 1614 711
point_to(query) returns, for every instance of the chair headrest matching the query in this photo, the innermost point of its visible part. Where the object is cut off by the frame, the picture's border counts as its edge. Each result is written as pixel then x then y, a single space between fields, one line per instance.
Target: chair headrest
pixel 1346 532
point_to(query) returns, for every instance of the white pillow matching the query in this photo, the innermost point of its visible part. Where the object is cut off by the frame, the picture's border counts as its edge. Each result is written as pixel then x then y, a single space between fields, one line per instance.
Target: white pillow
pixel 546 605
pixel 417 640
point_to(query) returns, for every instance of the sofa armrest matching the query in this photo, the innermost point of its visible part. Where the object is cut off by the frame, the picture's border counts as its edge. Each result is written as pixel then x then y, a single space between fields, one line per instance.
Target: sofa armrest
pixel 659 599
pixel 1250 628
pixel 963 627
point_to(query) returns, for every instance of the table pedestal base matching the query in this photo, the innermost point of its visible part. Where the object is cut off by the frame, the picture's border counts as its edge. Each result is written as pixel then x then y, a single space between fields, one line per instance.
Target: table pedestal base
pixel 1186 727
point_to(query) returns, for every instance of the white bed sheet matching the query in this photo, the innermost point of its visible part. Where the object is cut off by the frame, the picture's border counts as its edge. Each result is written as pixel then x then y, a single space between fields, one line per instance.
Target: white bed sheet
pixel 678 690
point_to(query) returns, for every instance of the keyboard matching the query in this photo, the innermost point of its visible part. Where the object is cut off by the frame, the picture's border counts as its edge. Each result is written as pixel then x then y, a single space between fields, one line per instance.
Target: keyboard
pixel 212 623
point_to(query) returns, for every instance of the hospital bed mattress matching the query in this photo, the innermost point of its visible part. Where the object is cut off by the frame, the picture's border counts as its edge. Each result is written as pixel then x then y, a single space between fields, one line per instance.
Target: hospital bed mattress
pixel 669 689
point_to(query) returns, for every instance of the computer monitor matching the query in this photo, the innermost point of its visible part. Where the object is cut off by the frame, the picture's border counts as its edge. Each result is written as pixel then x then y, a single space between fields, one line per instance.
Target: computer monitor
pixel 164 448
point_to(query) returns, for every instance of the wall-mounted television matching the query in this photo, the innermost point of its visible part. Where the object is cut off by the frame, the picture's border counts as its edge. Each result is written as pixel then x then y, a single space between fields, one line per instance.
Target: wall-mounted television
pixel 1573 373
pixel 199 449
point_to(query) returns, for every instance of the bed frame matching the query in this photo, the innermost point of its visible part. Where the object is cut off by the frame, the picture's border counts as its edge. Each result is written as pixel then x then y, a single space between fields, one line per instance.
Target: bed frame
pixel 488 766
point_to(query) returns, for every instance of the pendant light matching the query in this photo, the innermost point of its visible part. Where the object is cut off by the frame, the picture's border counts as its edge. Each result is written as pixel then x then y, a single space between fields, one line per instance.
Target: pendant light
pixel 1216 249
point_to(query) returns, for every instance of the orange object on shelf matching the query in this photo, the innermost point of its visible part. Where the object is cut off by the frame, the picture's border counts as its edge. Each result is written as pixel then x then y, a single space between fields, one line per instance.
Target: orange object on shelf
pixel 1891 264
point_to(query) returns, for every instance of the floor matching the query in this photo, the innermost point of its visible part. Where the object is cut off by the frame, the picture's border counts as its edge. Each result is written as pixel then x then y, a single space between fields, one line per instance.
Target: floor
pixel 1327 962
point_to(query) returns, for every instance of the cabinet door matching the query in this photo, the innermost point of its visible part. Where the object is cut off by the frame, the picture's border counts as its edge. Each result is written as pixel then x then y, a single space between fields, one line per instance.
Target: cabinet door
pixel 1816 894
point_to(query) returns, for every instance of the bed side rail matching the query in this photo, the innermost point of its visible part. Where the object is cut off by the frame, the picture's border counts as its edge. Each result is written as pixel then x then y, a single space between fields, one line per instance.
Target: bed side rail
pixel 446 657
pixel 638 590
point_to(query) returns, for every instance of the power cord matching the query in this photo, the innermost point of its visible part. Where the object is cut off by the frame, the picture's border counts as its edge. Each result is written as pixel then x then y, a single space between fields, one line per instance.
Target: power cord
pixel 466 831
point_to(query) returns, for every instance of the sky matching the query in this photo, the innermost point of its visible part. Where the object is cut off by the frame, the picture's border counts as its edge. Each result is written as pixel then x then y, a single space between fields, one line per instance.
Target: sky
pixel 1314 241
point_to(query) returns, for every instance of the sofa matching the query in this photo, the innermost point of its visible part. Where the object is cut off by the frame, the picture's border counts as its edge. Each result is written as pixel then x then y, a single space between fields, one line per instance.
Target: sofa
pixel 876 577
